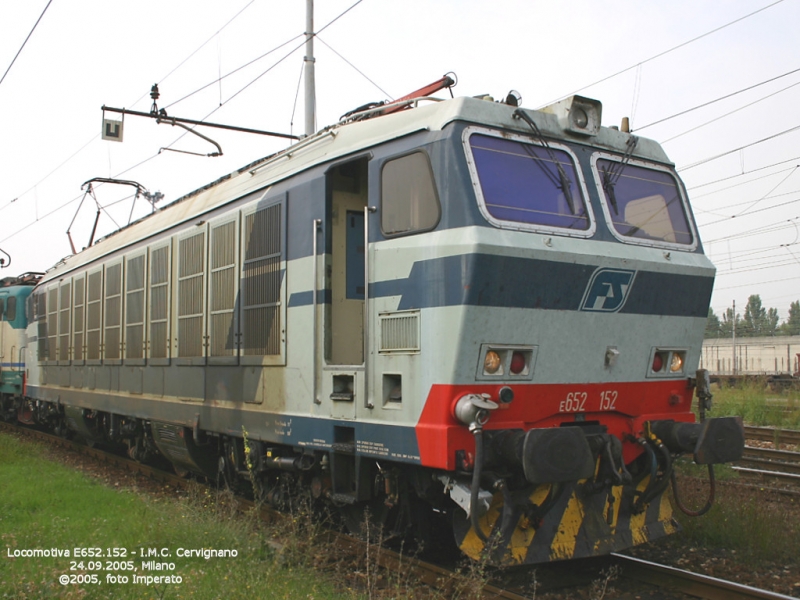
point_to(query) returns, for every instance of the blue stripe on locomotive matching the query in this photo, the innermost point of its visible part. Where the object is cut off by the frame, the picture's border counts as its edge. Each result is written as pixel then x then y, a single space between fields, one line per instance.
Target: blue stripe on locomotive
pixel 514 282
pixel 374 440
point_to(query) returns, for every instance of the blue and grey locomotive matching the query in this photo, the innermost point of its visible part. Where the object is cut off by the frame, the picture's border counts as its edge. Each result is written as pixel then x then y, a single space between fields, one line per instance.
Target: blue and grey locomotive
pixel 460 310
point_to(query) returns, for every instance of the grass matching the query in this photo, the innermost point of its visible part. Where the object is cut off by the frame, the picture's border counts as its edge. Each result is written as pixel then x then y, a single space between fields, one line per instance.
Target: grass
pixel 754 527
pixel 45 505
pixel 758 405
pixel 742 520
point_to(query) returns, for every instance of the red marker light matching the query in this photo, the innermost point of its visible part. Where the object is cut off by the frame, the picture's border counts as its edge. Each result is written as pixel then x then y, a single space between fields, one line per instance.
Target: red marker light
pixel 517 363
pixel 658 362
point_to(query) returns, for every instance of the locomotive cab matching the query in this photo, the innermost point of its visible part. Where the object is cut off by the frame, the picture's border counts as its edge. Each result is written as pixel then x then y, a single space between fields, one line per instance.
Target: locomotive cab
pixel 579 298
pixel 14 293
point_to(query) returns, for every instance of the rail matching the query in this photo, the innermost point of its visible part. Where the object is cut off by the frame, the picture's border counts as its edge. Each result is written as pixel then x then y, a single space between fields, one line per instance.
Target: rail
pixel 771 434
pixel 694 584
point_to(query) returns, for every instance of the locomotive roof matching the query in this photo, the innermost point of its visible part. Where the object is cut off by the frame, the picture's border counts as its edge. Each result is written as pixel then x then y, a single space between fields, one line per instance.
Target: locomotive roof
pixel 338 141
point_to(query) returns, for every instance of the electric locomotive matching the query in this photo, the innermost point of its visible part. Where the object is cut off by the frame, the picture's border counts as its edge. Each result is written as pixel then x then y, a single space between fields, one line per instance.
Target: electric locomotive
pixel 459 310
pixel 14 292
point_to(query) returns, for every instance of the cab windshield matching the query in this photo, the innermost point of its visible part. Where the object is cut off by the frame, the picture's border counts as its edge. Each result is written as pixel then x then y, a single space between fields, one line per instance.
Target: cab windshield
pixel 644 203
pixel 528 184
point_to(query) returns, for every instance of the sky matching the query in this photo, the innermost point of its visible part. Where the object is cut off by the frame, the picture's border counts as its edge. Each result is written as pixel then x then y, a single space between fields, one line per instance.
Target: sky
pixel 239 62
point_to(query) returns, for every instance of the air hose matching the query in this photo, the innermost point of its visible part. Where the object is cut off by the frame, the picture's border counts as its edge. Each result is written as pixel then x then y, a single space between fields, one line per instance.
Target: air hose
pixel 656 486
pixel 711 492
pixel 476 483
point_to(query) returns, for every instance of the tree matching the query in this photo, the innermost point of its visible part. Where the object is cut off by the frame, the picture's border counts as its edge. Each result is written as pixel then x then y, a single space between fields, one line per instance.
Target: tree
pixel 792 324
pixel 755 316
pixel 712 324
pixel 758 321
pixel 771 325
pixel 726 327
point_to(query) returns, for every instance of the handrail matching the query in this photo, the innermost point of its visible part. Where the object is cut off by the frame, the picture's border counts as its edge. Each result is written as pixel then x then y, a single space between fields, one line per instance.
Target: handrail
pixel 314 234
pixel 292 149
pixel 368 403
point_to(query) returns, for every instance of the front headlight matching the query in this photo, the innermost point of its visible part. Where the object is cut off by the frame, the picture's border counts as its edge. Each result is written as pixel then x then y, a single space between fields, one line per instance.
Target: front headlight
pixel 491 363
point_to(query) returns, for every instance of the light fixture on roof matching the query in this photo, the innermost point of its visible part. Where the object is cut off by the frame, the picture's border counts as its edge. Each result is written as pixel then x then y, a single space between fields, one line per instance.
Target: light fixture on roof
pixel 577 114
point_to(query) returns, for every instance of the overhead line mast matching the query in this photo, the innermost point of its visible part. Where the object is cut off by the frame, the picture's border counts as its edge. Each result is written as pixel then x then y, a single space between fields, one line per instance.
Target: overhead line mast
pixel 310 91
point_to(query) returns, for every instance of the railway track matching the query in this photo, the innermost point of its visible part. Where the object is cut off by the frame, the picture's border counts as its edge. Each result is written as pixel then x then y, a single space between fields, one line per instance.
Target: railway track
pixel 692 584
pixel 771 434
pixel 445 580
pixel 767 464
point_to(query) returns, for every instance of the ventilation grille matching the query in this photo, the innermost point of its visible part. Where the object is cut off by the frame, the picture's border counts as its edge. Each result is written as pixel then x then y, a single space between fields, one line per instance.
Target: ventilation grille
pixel 223 290
pixel 113 312
pixel 159 302
pixel 400 332
pixel 52 320
pixel 261 283
pixel 191 285
pixel 65 292
pixel 77 320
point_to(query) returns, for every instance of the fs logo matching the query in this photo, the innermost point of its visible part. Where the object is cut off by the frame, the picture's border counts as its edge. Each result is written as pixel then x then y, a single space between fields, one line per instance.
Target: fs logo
pixel 607 290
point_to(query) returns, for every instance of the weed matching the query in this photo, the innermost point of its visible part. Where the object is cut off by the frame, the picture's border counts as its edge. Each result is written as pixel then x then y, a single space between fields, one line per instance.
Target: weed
pixel 753 528
pixel 758 405
pixel 601 586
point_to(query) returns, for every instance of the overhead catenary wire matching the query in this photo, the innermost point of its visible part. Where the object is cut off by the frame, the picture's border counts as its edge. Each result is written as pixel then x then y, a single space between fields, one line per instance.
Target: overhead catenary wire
pixel 43 179
pixel 770 228
pixel 717 213
pixel 767 195
pixel 127 170
pixel 359 71
pixel 96 137
pixel 236 70
pixel 775 262
pixel 752 213
pixel 25 42
pixel 761 258
pixel 663 53
pixel 725 97
pixel 201 46
pixel 743 183
pixel 287 55
pixel 728 114
pixel 751 284
pixel 742 174
pixel 729 152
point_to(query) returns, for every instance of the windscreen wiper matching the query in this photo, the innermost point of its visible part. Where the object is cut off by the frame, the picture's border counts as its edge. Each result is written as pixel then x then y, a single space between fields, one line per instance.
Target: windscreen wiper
pixel 563 180
pixel 612 174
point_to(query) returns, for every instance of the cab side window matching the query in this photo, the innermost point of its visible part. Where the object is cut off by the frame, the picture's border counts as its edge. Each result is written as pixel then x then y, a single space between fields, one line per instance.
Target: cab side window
pixel 11 308
pixel 409 202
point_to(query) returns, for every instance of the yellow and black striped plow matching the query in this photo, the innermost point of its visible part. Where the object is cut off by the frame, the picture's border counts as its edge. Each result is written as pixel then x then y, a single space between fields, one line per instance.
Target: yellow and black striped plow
pixel 564 521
